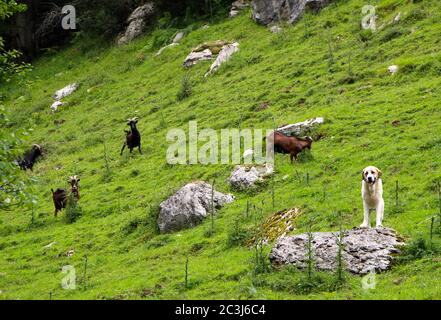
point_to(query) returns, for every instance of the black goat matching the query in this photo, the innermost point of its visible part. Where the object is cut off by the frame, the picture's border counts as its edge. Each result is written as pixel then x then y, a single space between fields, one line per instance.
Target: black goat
pixel 133 137
pixel 30 157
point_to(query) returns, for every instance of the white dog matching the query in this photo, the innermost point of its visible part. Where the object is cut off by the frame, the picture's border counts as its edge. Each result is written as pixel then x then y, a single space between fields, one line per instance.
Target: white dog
pixel 372 194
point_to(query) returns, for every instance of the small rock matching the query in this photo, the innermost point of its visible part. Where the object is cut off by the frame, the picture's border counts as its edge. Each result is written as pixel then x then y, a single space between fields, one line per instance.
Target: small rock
pixel 393 69
pixel 275 29
pixel 171 45
pixel 48 246
pixel 247 154
pixel 179 36
pixel 54 107
pixel 244 177
pixel 238 6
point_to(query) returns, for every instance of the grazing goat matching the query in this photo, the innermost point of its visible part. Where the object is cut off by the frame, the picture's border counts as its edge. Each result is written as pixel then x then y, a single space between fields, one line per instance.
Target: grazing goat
pixel 30 157
pixel 60 196
pixel 133 137
pixel 285 144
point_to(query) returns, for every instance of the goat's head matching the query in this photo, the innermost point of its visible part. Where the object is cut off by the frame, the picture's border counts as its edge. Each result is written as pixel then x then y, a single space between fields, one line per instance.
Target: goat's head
pixel 74 182
pixel 132 122
pixel 37 149
pixel 309 140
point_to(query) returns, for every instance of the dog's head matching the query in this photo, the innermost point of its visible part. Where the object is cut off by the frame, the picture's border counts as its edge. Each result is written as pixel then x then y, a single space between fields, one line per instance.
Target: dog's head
pixel 371 174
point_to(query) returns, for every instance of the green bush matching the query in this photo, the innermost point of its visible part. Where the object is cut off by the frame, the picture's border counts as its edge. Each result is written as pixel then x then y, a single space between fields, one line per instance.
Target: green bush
pixel 73 210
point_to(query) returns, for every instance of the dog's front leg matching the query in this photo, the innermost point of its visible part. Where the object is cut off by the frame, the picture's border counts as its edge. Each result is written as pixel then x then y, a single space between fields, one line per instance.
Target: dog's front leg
pixel 366 221
pixel 380 213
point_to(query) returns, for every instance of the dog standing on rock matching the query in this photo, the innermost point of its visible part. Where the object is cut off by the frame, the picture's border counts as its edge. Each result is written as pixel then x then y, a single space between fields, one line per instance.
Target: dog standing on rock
pixel 372 194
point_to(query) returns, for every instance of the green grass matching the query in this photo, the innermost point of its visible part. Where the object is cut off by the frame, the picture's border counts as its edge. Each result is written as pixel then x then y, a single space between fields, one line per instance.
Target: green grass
pixel 292 72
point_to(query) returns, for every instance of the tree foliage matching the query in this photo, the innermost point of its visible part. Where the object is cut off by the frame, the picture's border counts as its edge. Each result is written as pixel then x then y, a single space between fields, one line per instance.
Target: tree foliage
pixel 14 187
pixel 9 64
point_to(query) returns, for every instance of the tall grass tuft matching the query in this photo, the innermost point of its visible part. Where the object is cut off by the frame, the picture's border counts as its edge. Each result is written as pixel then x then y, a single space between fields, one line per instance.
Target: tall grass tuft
pixel 186 88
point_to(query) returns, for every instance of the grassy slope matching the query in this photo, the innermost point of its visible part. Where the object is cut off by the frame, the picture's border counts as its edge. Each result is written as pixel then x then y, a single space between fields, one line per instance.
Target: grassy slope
pixel 280 69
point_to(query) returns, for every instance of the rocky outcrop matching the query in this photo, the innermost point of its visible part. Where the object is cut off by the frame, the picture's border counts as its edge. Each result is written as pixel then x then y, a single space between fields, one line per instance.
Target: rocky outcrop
pixel 301 128
pixel 189 206
pixel 224 55
pixel 276 225
pixel 219 49
pixel 136 23
pixel 363 250
pixel 67 90
pixel 237 7
pixel 60 94
pixel 195 57
pixel 270 11
pixel 246 176
pixel 214 46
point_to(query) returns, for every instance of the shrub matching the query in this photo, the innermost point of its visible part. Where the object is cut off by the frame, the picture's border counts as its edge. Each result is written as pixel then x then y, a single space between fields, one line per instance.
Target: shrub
pixel 73 210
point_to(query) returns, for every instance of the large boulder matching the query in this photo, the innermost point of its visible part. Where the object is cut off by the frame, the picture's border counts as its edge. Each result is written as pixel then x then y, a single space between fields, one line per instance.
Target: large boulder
pixel 270 11
pixel 136 23
pixel 189 206
pixel 363 250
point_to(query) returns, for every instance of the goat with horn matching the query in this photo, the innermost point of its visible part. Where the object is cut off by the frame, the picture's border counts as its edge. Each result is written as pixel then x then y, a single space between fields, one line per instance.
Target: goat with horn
pixel 133 137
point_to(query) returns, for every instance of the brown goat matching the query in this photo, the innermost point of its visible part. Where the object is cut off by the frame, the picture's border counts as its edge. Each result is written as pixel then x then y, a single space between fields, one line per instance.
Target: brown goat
pixel 60 196
pixel 291 145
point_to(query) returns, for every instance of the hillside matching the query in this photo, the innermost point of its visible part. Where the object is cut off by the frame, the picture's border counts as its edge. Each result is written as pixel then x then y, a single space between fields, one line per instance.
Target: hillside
pixel 373 117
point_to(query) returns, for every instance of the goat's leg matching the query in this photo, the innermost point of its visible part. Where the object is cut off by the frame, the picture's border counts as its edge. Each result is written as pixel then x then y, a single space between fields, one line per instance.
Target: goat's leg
pixel 139 149
pixel 124 145
pixel 291 156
